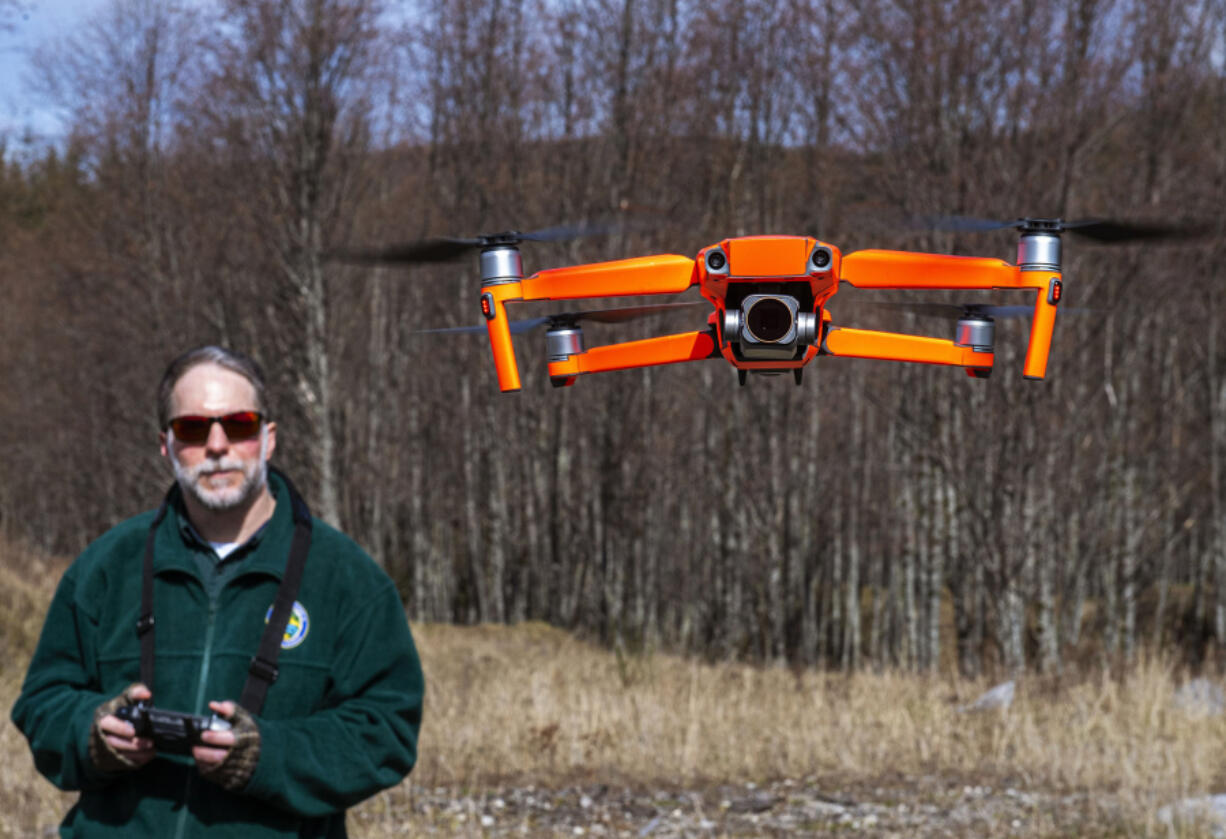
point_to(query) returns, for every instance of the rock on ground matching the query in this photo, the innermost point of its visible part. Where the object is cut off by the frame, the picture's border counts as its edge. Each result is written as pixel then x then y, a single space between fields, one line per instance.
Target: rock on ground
pixel 998 698
pixel 1207 813
pixel 1200 697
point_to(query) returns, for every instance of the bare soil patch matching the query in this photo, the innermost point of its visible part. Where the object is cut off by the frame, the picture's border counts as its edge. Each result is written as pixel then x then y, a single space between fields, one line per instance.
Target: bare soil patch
pixel 899 807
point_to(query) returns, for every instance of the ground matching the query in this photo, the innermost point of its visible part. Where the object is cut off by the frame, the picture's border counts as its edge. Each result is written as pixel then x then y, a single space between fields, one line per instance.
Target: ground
pixel 529 731
pixel 898 807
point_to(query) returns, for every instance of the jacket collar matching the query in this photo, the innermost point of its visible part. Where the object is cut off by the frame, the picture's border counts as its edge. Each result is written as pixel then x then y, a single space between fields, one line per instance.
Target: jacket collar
pixel 176 538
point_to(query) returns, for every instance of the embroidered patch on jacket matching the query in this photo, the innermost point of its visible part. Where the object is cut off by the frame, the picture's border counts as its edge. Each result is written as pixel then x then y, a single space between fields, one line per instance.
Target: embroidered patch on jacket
pixel 295 628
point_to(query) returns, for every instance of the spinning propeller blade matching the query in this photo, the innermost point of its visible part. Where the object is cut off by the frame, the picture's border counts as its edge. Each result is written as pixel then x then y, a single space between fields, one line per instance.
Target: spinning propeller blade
pixel 447 248
pixel 1106 231
pixel 519 327
pixel 441 249
pixel 963 224
pixel 632 312
pixel 567 232
pixel 953 311
pixel 956 311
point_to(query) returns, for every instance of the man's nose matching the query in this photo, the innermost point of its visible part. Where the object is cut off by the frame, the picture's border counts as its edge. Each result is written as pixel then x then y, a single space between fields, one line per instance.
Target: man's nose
pixel 217 440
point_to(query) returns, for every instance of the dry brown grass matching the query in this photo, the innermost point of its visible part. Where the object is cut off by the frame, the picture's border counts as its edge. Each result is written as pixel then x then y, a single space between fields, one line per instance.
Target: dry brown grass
pixel 533 702
pixel 530 704
pixel 28 804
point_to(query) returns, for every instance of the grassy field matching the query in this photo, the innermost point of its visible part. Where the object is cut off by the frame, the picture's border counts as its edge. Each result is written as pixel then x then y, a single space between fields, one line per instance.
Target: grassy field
pixel 529 707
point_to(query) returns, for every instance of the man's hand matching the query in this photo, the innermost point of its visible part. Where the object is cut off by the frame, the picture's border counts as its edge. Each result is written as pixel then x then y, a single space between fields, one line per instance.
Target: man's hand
pixel 228 758
pixel 218 743
pixel 113 744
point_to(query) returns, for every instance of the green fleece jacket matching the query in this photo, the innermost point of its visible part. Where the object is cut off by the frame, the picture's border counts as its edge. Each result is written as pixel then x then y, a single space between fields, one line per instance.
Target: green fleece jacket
pixel 339 724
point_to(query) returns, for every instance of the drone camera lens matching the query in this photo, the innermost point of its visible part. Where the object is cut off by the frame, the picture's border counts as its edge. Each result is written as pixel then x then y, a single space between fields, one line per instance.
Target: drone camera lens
pixel 716 260
pixel 769 319
pixel 821 258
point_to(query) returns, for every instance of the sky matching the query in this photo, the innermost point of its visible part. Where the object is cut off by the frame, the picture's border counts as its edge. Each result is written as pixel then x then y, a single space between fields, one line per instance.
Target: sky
pixel 23 115
pixel 21 112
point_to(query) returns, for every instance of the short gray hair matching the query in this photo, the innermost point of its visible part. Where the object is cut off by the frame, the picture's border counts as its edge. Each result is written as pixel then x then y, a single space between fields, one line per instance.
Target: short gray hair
pixel 232 360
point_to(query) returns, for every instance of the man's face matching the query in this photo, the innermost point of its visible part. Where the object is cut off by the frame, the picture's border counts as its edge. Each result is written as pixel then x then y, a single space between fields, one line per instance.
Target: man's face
pixel 220 473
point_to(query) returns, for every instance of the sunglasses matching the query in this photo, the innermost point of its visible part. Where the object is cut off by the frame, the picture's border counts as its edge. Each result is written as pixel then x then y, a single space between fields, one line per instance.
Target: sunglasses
pixel 194 430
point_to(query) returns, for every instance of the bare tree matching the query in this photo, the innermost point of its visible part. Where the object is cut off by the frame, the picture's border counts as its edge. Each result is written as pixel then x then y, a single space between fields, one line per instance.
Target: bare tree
pixel 290 96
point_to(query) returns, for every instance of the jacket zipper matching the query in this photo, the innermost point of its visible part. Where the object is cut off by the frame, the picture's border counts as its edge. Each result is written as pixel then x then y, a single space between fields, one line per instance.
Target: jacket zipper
pixel 205 660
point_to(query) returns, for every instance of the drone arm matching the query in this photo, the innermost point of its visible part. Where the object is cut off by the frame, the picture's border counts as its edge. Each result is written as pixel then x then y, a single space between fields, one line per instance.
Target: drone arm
pixel 667 349
pixel 1040 332
pixel 664 274
pixel 901 269
pixel 494 297
pixel 893 346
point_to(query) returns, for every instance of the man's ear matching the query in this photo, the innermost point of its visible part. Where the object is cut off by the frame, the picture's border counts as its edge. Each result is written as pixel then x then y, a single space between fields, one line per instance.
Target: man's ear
pixel 272 440
pixel 162 444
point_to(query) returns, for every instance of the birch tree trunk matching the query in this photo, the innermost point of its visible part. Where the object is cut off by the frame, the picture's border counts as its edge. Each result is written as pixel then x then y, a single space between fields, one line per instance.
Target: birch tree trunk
pixel 851 646
pixel 837 643
pixel 910 616
pixel 473 454
pixel 495 559
pixel 936 570
pixel 1049 641
pixel 1217 450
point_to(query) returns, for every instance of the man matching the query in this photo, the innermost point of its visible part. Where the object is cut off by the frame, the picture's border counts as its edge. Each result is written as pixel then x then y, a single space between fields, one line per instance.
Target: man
pixel 182 599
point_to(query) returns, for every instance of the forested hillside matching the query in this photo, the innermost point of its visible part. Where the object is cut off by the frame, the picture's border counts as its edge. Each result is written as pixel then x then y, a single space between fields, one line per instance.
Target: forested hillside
pixel 216 155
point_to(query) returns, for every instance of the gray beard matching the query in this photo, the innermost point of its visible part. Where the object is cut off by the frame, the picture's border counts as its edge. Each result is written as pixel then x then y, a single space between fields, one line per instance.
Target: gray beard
pixel 255 478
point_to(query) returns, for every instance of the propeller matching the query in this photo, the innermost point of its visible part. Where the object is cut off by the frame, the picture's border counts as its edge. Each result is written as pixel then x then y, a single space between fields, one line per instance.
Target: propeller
pixel 954 311
pixel 448 248
pixel 1106 231
pixel 564 319
pixel 958 311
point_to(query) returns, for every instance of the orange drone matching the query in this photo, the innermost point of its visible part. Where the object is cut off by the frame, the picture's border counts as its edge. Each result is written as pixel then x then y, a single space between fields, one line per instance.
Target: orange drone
pixel 769 296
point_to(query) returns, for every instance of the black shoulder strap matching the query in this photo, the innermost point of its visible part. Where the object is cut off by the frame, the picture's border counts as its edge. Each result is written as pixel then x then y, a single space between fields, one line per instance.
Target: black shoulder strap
pixel 144 625
pixel 263 670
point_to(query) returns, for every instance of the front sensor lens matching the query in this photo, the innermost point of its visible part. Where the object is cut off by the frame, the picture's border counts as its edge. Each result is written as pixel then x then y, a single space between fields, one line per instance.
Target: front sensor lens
pixel 716 260
pixel 821 258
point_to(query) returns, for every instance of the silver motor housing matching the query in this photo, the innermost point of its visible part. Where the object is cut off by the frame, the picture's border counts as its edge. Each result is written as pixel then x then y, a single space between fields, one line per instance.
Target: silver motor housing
pixel 976 332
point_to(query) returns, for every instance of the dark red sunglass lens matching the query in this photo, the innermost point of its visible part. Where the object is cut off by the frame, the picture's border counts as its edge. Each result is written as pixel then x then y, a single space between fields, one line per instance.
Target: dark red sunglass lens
pixel 241 426
pixel 191 430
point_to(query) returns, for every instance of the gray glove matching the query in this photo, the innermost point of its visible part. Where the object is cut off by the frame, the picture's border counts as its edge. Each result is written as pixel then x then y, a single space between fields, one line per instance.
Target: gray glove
pixel 236 770
pixel 101 753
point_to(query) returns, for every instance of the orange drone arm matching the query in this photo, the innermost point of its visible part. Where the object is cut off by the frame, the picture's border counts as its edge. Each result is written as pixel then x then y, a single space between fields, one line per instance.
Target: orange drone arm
pixel 1041 329
pixel 900 269
pixel 493 306
pixel 664 274
pixel 667 349
pixel 892 346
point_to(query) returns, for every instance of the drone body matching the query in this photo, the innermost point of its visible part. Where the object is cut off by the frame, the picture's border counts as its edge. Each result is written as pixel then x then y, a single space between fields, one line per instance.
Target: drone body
pixel 769 296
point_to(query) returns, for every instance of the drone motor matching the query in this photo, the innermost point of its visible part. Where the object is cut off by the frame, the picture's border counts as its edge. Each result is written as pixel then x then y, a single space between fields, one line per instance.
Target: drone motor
pixel 563 341
pixel 976 332
pixel 1038 248
pixel 501 263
